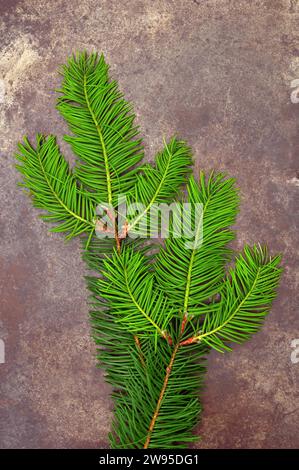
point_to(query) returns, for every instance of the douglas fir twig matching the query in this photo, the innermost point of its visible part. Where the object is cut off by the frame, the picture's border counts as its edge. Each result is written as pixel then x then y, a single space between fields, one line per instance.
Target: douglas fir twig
pixel 155 314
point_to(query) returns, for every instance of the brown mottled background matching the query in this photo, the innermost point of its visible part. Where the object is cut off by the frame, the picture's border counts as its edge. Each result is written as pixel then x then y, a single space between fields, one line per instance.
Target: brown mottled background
pixel 217 72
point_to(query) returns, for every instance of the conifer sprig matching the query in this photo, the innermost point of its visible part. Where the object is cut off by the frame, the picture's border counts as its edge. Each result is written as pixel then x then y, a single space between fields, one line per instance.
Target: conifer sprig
pixel 155 315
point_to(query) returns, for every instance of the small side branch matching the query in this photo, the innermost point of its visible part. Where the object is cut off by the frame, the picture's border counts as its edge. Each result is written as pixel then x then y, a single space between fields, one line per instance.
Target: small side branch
pixel 168 338
pixel 184 321
pixel 191 340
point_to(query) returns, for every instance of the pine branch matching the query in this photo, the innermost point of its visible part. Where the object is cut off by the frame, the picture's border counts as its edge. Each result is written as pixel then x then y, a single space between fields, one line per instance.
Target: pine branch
pixel 246 299
pixel 54 189
pixel 112 342
pixel 191 276
pixel 102 123
pixel 160 405
pixel 160 183
pixel 129 288
pixel 153 322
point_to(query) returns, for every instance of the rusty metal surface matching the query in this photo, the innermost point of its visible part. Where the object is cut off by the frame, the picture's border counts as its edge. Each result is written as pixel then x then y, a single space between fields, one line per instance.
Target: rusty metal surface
pixel 216 72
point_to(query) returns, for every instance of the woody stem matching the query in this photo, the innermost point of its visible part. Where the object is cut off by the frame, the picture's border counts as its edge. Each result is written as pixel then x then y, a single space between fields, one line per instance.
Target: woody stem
pixel 159 402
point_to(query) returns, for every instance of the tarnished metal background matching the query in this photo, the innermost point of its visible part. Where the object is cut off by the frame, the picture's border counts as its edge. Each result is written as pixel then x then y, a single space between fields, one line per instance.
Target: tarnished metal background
pixel 218 73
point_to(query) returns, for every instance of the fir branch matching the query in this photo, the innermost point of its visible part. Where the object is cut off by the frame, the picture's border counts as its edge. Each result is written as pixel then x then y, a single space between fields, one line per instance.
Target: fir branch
pixel 160 405
pixel 54 189
pixel 153 323
pixel 104 136
pixel 160 183
pixel 245 299
pixel 192 276
pixel 128 286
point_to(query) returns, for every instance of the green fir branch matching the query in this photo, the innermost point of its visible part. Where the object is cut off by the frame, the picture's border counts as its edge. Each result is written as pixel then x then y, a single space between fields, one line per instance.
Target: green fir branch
pixel 155 313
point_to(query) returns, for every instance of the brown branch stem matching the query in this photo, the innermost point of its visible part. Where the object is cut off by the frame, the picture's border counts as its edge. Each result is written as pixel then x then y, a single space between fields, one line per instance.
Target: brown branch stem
pixel 191 340
pixel 184 321
pixel 165 383
pixel 179 343
pixel 138 345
